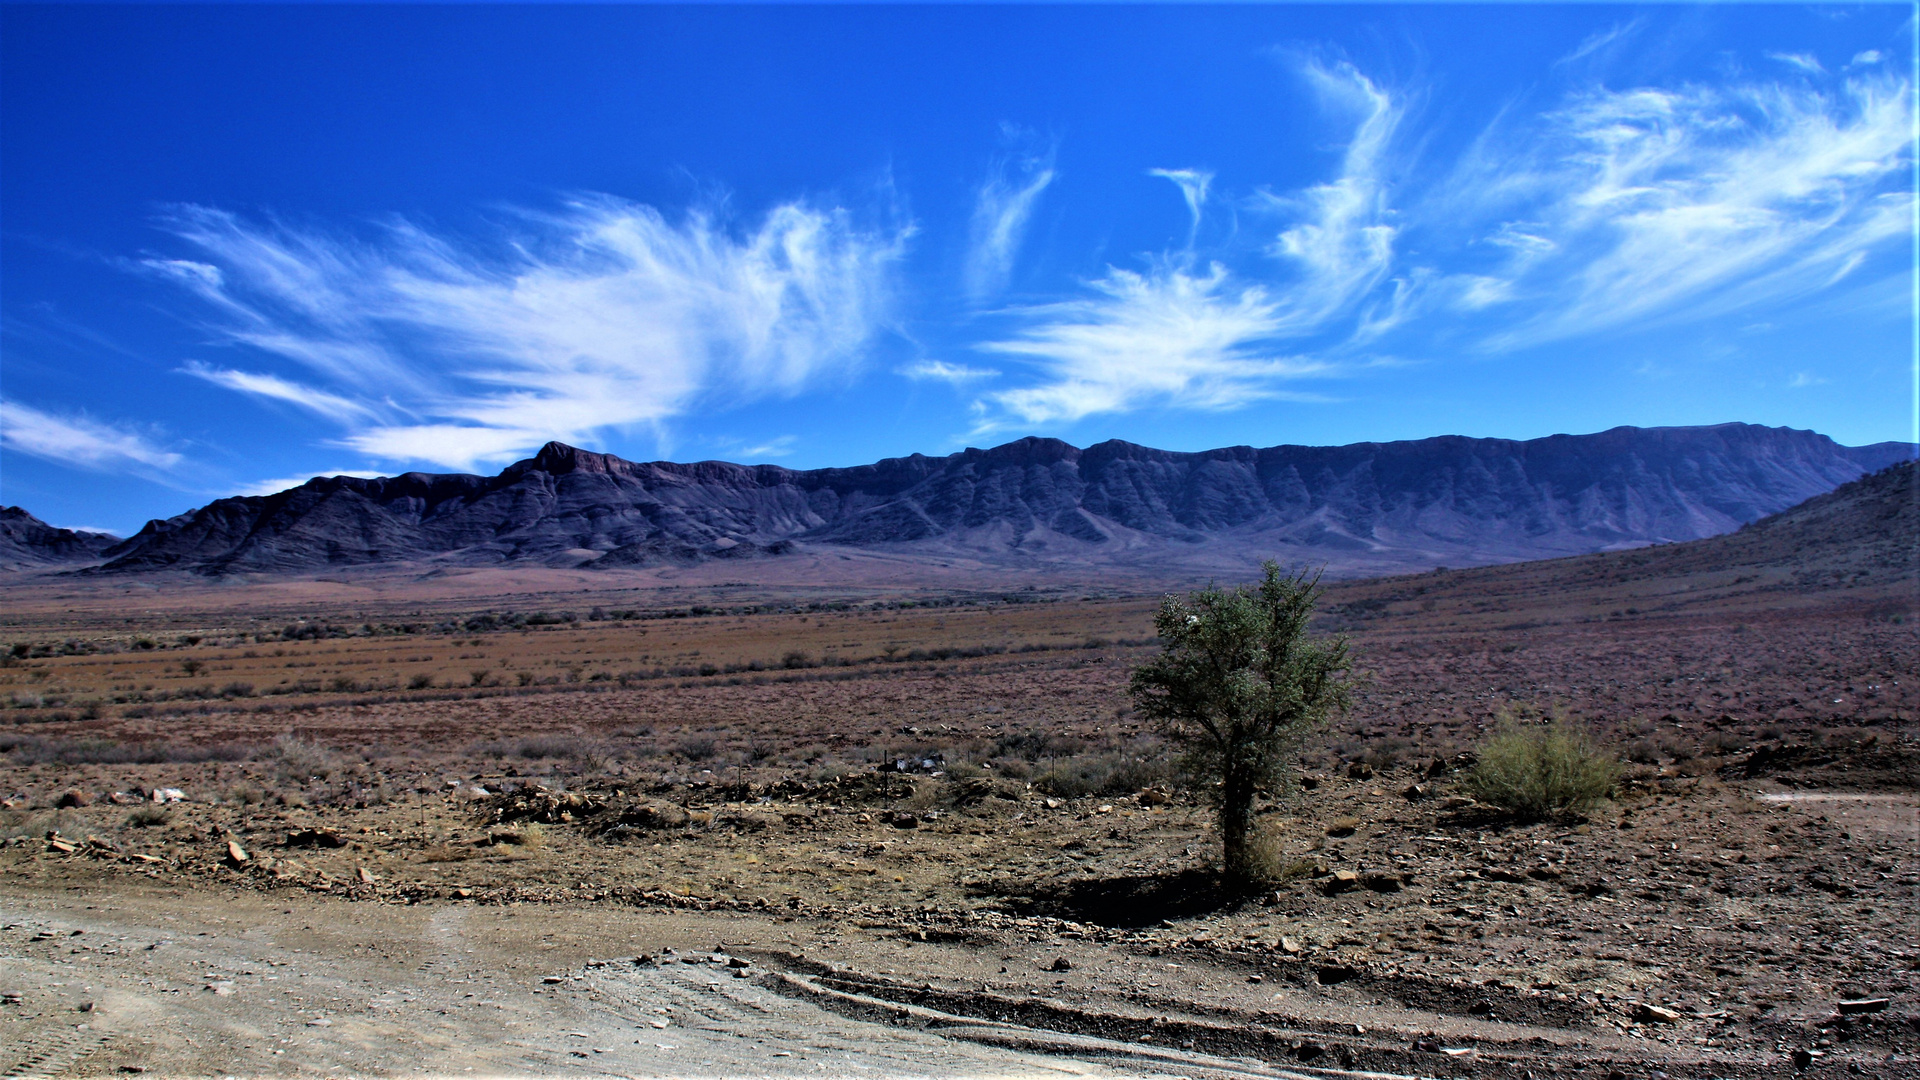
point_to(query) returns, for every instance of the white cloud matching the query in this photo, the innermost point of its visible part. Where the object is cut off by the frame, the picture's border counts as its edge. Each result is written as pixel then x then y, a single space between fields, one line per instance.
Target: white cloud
pixel 1002 207
pixel 1866 59
pixel 780 447
pixel 1341 239
pixel 1803 61
pixel 1182 338
pixel 1168 337
pixel 602 315
pixel 80 441
pixel 1652 204
pixel 274 487
pixel 332 406
pixel 1193 185
pixel 1603 42
pixel 941 371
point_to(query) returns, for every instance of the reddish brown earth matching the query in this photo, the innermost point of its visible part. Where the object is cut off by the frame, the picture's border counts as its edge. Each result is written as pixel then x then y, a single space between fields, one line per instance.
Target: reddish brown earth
pixel 1755 869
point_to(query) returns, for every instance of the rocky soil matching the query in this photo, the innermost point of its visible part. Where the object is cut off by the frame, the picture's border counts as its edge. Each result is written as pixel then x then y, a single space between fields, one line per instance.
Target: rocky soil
pixel 953 848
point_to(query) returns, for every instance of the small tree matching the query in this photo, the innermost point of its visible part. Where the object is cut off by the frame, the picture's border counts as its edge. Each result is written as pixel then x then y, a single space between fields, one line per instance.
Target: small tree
pixel 1237 684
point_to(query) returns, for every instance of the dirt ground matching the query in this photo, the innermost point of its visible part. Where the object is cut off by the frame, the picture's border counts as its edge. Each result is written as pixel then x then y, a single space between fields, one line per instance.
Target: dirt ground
pixel 939 842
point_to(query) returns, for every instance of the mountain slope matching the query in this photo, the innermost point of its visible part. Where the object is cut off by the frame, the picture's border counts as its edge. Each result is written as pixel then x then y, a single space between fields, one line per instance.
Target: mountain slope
pixel 1858 545
pixel 1362 508
pixel 26 541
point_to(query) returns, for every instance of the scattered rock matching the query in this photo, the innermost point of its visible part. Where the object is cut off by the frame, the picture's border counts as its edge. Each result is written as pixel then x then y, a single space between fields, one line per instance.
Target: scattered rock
pixel 1654 1014
pixel 63 847
pixel 1380 882
pixel 1359 770
pixel 220 988
pixel 72 798
pixel 1341 881
pixel 905 820
pixel 237 854
pixel 168 795
pixel 1863 1005
pixel 365 875
pixel 1290 945
pixel 1416 792
pixel 1060 963
pixel 1154 797
pixel 319 1021
pixel 1342 827
pixel 122 798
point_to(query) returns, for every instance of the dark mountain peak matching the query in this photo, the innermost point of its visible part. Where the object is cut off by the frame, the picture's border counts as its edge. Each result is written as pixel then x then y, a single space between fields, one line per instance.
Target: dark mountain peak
pixel 25 540
pixel 1032 450
pixel 559 459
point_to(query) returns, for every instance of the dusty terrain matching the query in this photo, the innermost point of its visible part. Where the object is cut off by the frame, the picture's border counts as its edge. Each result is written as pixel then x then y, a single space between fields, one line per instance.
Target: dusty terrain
pixel 941 842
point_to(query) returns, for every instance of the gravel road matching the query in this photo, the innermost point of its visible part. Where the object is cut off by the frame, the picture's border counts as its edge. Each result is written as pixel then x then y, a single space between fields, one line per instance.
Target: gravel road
pixel 177 982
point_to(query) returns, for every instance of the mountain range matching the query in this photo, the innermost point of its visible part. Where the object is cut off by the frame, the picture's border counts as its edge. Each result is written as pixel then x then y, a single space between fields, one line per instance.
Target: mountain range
pixel 1359 509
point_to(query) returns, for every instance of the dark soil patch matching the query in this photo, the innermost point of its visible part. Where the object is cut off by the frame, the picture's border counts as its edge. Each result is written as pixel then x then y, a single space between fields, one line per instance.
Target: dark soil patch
pixel 1130 901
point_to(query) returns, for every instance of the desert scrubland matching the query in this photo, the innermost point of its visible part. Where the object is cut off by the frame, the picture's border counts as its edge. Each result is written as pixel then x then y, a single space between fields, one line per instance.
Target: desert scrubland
pixel 943 801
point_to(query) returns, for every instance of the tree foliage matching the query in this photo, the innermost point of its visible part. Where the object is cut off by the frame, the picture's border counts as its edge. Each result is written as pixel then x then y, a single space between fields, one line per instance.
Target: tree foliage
pixel 1237 685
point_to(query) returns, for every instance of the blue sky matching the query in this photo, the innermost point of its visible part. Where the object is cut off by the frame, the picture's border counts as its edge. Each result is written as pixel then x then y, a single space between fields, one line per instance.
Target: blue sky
pixel 241 245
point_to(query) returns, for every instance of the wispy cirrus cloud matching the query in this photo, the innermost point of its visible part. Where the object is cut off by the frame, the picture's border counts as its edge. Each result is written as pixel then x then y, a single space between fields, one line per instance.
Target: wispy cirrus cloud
pixel 1170 337
pixel 1341 235
pixel 1003 205
pixel 1806 62
pixel 81 441
pixel 1637 206
pixel 332 406
pixel 1193 185
pixel 1183 337
pixel 602 315
pixel 942 371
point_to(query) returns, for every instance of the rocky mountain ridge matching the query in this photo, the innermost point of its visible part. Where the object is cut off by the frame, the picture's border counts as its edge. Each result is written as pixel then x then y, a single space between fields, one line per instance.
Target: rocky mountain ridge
pixel 26 541
pixel 1358 509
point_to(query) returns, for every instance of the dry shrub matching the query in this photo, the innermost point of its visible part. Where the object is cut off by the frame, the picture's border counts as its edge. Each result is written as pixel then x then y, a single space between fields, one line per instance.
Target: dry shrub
pixel 1537 771
pixel 35 750
pixel 301 760
pixel 1102 774
pixel 148 817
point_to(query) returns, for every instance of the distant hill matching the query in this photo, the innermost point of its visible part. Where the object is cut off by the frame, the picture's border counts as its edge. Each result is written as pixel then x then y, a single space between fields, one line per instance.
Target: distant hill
pixel 1857 545
pixel 1035 504
pixel 26 541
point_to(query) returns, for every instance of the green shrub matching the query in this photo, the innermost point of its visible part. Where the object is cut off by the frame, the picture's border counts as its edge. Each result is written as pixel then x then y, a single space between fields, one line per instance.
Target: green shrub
pixel 1540 771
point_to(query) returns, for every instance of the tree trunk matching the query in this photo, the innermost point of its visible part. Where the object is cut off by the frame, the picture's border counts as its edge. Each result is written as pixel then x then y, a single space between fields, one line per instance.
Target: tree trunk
pixel 1236 826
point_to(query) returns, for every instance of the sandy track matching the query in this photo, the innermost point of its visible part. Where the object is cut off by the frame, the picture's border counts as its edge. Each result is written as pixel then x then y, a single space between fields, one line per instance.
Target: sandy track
pixel 209 983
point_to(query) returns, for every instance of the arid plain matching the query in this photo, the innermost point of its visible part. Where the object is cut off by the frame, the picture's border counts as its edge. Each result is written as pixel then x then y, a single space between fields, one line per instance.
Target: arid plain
pixel 445 826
